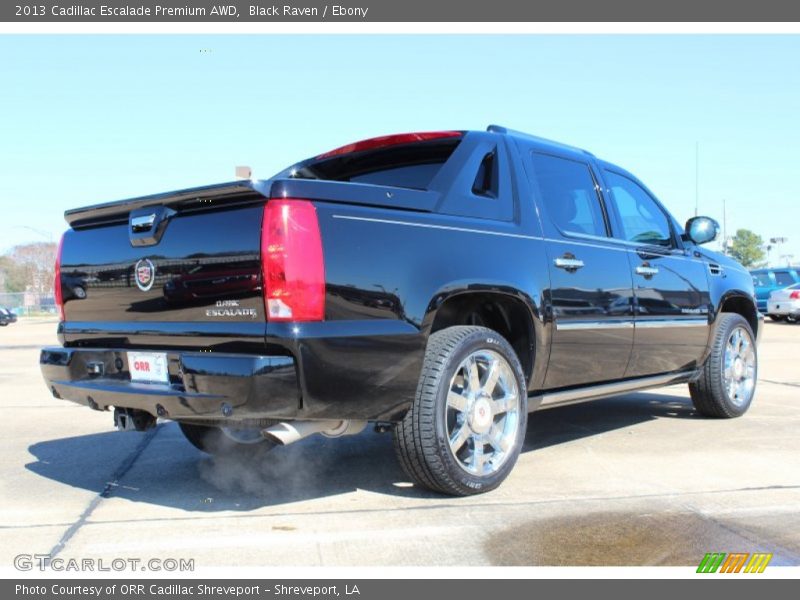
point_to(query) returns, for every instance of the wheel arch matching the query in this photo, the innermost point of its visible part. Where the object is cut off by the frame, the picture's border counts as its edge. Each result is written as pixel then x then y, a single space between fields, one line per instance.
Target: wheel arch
pixel 509 312
pixel 738 302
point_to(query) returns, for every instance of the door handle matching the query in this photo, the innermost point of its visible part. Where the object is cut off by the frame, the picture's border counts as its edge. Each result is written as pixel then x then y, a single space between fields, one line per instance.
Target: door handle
pixel 568 263
pixel 646 271
pixel 142 223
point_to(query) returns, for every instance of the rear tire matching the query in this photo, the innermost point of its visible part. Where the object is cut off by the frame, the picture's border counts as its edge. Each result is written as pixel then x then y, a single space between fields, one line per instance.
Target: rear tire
pixel 218 441
pixel 777 318
pixel 727 383
pixel 466 426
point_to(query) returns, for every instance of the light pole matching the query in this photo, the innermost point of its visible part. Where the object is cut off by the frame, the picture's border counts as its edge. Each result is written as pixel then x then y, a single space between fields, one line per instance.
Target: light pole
pixel 775 242
pixel 45 234
pixel 725 240
pixel 696 177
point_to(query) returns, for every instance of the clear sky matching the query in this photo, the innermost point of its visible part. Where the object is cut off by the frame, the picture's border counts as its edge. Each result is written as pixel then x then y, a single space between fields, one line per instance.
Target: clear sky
pixel 86 119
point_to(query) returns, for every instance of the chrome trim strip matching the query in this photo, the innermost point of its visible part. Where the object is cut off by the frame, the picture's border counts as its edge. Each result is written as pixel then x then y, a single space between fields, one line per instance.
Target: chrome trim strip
pixel 581 325
pixel 432 226
pixel 604 390
pixel 656 323
pixel 626 324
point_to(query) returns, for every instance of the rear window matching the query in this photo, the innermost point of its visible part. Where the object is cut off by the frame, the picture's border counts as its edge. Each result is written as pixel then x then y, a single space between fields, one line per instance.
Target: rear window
pixel 783 278
pixel 408 165
pixel 761 280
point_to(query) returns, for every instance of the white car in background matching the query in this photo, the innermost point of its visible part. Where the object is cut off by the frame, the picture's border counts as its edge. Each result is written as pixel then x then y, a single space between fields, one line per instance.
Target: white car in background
pixel 784 305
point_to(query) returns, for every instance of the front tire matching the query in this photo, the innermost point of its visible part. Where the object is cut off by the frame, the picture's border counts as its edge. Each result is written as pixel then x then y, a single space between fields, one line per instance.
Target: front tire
pixel 466 426
pixel 727 383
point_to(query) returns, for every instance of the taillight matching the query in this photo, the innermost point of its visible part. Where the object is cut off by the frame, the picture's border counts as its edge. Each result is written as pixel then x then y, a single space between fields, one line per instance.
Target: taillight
pixel 291 261
pixel 795 295
pixel 59 297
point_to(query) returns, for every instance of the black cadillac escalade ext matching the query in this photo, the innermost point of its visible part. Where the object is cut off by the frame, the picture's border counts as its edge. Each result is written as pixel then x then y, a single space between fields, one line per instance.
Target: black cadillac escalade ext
pixel 443 284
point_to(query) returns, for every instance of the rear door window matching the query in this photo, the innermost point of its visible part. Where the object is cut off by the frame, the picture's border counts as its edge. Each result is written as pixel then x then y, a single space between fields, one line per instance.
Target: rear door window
pixel 783 278
pixel 569 195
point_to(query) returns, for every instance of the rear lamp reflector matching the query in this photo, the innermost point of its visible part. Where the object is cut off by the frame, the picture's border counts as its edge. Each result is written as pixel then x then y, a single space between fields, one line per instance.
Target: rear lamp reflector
pixel 291 261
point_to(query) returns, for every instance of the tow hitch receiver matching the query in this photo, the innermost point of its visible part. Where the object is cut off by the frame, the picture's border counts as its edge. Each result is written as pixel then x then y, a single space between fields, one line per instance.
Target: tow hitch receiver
pixel 131 419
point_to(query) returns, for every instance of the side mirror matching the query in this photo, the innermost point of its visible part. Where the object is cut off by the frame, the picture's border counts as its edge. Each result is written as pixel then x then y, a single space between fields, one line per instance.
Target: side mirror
pixel 702 230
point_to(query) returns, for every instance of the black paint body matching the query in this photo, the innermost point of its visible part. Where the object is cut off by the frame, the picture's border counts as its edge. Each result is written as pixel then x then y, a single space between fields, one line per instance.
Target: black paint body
pixel 399 264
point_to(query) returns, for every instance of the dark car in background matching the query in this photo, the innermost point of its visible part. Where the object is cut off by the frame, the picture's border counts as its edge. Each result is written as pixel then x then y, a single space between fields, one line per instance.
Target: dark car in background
pixel 6 317
pixel 768 280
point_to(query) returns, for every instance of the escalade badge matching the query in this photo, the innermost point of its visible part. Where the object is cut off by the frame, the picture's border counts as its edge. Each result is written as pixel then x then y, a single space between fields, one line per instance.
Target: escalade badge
pixel 145 274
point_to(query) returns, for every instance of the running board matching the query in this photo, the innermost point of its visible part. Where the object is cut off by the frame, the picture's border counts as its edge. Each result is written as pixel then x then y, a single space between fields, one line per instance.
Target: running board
pixel 594 392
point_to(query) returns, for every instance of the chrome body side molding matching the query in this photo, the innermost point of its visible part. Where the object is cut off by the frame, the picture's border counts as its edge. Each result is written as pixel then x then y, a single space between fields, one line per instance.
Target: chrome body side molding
pixel 628 323
pixel 604 390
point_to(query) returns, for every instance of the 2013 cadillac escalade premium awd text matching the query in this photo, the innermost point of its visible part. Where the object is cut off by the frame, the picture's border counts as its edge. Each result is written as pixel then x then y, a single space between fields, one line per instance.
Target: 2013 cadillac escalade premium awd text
pixel 443 284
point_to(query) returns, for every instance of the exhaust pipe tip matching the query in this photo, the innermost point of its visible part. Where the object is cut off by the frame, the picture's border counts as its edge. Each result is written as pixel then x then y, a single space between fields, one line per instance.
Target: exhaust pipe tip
pixel 289 432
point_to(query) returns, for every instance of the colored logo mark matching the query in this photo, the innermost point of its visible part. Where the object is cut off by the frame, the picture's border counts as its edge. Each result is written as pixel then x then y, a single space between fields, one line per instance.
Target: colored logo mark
pixel 735 562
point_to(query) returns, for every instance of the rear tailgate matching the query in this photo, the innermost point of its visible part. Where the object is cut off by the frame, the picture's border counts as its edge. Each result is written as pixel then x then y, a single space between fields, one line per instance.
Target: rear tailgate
pixel 133 271
pixel 185 268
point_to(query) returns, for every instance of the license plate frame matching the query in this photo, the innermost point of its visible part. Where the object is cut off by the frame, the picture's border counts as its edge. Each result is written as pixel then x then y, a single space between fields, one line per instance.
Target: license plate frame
pixel 148 367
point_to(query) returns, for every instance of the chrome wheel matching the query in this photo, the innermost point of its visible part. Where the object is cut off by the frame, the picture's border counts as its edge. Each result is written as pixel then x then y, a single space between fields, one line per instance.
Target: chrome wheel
pixel 739 366
pixel 482 412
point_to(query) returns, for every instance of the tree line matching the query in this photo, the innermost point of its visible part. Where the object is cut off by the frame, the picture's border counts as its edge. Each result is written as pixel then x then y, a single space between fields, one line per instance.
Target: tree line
pixel 28 268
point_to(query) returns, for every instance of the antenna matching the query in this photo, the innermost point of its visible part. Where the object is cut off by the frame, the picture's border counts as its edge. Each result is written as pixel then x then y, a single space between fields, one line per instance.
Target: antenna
pixel 696 177
pixel 724 228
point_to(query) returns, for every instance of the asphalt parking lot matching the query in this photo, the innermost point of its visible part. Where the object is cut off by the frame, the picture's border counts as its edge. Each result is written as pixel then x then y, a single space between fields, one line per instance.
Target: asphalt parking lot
pixel 637 479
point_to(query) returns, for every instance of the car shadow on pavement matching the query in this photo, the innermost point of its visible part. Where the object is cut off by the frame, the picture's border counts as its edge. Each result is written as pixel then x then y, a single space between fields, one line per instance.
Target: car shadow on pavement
pixel 164 469
pixel 171 472
pixel 561 424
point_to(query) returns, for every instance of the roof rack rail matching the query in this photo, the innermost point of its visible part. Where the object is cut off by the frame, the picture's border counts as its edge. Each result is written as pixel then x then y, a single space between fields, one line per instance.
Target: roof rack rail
pixel 505 130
